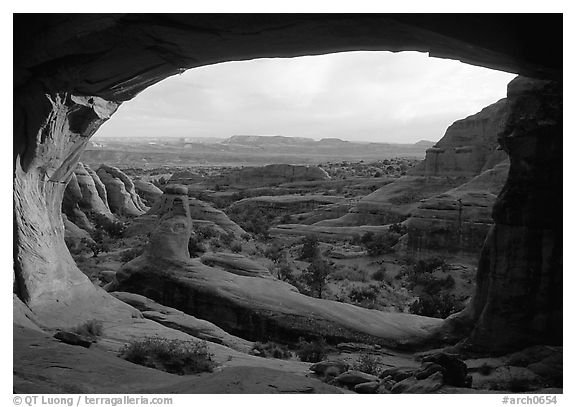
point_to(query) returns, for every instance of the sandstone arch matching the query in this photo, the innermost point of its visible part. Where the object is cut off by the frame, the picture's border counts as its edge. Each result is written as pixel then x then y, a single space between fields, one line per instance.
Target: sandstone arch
pixel 71 72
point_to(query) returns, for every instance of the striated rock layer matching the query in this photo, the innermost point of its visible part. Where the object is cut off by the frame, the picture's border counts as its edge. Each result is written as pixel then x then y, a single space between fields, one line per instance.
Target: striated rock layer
pixel 459 219
pixel 469 146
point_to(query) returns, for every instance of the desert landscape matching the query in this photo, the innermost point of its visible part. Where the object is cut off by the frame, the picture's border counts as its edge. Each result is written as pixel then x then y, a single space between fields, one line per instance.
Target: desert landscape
pixel 272 264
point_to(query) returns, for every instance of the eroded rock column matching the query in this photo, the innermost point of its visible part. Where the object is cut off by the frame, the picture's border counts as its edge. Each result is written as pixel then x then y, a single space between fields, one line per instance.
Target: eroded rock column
pixel 518 298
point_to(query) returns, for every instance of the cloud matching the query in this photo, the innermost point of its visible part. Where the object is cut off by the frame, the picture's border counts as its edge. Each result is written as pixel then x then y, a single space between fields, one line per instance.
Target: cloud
pixel 375 96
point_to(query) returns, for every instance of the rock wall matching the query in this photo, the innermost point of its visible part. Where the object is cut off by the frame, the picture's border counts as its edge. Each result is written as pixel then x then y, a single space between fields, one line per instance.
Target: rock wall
pixel 518 297
pixel 200 210
pixel 122 197
pixel 469 146
pixel 459 219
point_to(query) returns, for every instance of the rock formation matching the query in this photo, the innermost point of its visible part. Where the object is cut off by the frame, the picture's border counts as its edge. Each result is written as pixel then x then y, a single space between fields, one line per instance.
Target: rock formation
pixel 71 72
pixel 393 202
pixel 251 307
pixel 85 194
pixel 235 264
pixel 469 146
pixel 149 192
pixel 122 197
pixel 203 211
pixel 459 219
pixel 518 297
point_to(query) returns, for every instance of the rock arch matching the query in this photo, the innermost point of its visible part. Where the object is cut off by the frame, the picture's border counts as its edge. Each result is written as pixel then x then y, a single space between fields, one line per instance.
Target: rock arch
pixel 71 72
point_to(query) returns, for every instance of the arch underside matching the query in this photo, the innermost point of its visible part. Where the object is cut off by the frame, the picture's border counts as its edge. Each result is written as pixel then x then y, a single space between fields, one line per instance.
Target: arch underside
pixel 71 72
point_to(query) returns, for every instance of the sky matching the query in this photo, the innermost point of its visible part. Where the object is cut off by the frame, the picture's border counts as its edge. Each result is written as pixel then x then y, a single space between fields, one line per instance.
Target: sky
pixel 357 96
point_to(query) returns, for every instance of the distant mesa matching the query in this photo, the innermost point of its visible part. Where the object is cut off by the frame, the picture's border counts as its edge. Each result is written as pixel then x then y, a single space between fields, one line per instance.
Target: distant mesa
pixel 425 143
pixel 262 140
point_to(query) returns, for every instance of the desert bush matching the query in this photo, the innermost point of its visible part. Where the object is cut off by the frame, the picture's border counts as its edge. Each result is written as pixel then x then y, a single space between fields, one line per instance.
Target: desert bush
pixel 364 294
pixel 131 254
pixel 310 248
pixel 90 329
pixel 113 228
pixel 170 355
pixel 397 228
pixel 381 243
pixel 312 352
pixel 368 364
pixel 380 274
pixel 275 252
pixel 204 232
pixel 272 350
pixel 195 247
pixel 437 306
pixel 350 274
pixel 236 247
pixel 97 247
pixel 227 239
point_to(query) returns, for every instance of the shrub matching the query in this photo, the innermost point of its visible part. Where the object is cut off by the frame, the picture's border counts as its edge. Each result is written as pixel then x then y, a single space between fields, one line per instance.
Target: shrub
pixel 379 244
pixel 364 294
pixel 310 248
pixel 272 350
pixel 204 232
pixel 284 272
pixel 368 364
pixel 275 252
pixel 380 275
pixel 437 306
pixel 397 228
pixel 227 239
pixel 131 254
pixel 90 329
pixel 236 247
pixel 113 228
pixel 172 356
pixel 96 247
pixel 312 352
pixel 195 247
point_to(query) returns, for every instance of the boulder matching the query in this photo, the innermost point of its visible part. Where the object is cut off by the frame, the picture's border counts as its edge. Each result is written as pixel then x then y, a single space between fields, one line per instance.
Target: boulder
pixel 414 386
pixel 332 365
pixel 367 388
pixel 122 197
pixel 455 370
pixel 355 377
pixel 398 373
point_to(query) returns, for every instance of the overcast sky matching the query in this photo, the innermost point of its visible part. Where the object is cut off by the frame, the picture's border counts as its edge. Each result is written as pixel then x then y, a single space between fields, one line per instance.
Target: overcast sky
pixel 364 96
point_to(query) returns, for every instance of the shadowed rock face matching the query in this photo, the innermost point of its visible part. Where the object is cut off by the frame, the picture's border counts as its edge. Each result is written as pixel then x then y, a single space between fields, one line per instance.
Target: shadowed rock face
pixel 72 71
pixel 518 298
